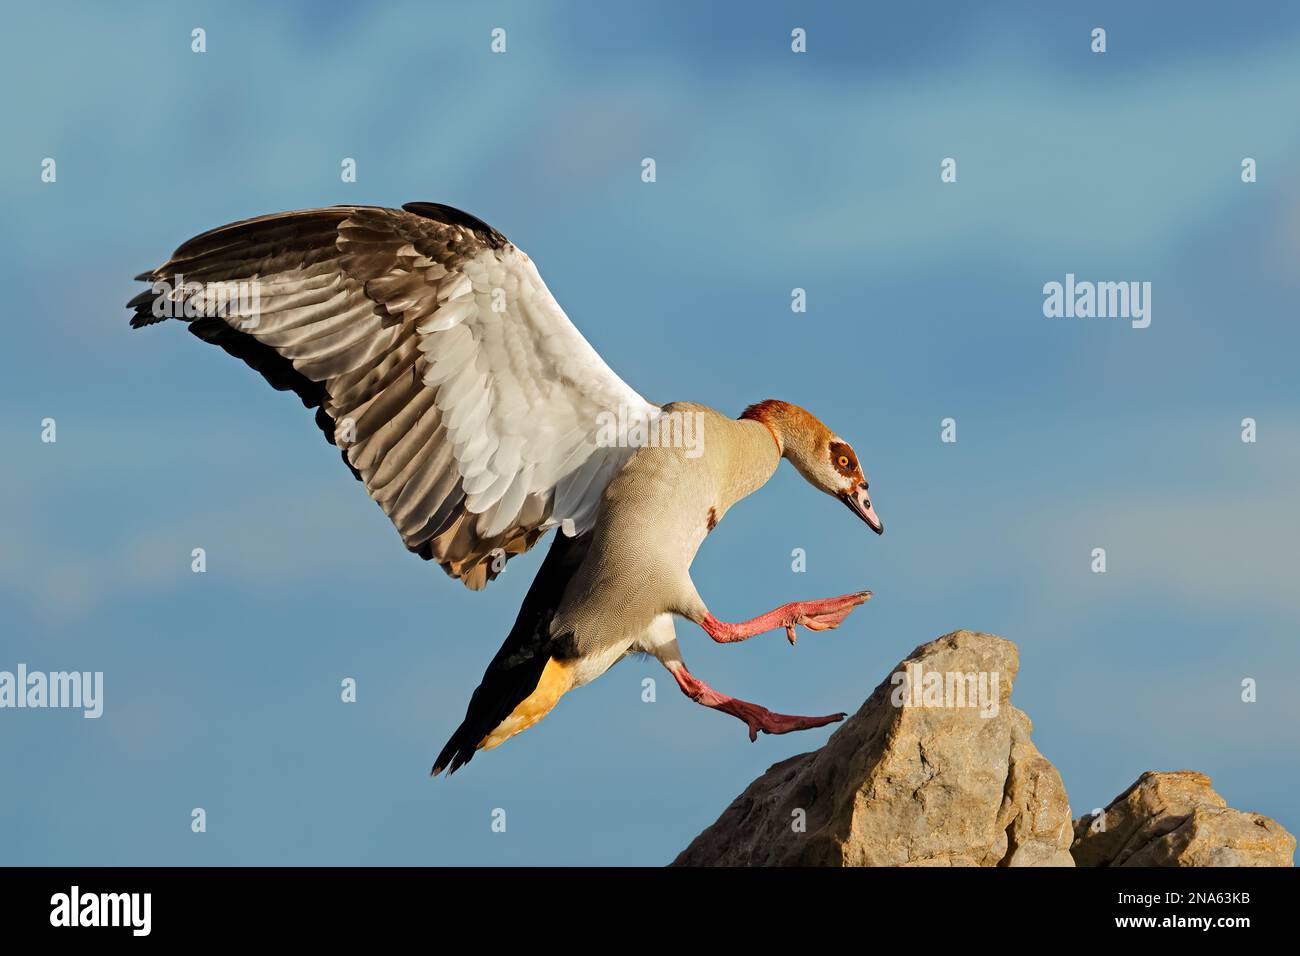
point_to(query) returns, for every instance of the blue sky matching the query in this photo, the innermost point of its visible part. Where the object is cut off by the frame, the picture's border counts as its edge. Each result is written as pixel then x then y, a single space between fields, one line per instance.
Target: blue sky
pixel 775 171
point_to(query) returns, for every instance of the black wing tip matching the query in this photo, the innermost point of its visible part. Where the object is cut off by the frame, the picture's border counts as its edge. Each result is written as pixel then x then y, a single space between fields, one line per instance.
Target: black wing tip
pixel 456 217
pixel 141 319
pixel 517 667
pixel 453 756
pixel 142 304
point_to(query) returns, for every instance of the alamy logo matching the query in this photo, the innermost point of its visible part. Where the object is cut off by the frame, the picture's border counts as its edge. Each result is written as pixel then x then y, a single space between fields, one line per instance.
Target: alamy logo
pixel 917 687
pixel 102 909
pixel 1101 300
pixel 197 300
pixel 676 429
pixel 71 689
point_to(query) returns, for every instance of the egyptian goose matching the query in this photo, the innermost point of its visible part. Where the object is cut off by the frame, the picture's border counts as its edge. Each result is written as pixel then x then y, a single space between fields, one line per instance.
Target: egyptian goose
pixel 478 417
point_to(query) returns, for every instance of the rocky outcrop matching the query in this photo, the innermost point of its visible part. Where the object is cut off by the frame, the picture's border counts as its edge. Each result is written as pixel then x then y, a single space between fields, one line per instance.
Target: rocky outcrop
pixel 1176 819
pixel 936 769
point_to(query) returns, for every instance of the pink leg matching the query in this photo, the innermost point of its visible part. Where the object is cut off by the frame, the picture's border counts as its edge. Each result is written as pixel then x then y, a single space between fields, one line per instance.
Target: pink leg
pixel 755 717
pixel 819 615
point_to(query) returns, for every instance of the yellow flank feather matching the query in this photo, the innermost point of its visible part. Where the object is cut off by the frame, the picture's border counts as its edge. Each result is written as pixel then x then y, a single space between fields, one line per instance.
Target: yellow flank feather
pixel 557 677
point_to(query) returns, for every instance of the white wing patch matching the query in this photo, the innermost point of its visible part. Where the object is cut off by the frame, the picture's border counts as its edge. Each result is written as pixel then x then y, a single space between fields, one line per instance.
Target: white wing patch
pixel 521 393
pixel 460 392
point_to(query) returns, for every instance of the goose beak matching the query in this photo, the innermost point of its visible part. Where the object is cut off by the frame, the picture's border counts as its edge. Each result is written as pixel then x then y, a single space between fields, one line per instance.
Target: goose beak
pixel 859 503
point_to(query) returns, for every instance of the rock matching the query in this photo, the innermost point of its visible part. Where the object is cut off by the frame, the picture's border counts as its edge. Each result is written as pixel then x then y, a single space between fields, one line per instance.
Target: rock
pixel 919 776
pixel 1176 819
pixel 946 775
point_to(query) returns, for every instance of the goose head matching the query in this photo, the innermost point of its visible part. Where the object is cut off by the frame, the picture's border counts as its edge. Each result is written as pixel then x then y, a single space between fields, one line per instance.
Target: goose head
pixel 826 460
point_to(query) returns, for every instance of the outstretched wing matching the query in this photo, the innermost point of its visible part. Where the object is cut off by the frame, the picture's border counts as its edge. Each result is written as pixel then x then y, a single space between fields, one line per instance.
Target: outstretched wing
pixel 459 392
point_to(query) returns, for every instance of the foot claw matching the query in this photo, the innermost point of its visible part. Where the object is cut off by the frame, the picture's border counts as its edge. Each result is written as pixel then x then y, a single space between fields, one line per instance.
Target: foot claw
pixel 826 614
pixel 769 723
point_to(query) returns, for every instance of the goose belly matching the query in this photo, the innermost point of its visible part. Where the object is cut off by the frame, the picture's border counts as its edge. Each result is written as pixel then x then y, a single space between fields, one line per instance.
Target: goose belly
pixel 588 667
